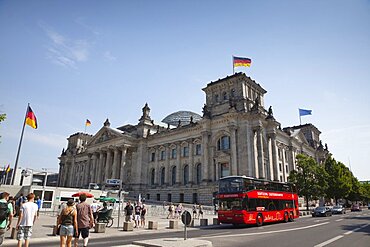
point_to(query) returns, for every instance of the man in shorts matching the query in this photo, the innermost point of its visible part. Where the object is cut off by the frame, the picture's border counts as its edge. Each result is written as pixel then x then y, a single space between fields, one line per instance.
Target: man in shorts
pixel 128 211
pixel 26 219
pixel 85 220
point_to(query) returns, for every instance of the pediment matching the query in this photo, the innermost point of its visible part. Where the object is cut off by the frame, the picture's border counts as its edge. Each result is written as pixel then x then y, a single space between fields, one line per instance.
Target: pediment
pixel 299 136
pixel 105 134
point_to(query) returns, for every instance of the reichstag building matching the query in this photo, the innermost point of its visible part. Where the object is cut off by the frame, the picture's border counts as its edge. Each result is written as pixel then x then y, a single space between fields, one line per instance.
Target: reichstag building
pixel 182 159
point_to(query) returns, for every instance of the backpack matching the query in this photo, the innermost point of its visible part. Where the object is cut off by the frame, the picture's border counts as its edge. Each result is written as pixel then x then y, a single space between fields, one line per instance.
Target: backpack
pixel 4 211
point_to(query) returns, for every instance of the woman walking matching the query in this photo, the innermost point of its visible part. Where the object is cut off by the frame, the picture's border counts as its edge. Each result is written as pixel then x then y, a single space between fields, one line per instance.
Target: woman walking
pixel 67 221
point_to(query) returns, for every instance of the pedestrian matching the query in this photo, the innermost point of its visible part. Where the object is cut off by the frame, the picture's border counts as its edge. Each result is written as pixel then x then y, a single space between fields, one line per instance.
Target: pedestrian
pixel 137 215
pixel 95 208
pixel 128 211
pixel 26 219
pixel 67 221
pixel 200 210
pixel 38 202
pixel 170 211
pixel 6 215
pixel 215 208
pixel 142 216
pixel 85 220
pixel 11 200
pixel 18 203
pixel 195 211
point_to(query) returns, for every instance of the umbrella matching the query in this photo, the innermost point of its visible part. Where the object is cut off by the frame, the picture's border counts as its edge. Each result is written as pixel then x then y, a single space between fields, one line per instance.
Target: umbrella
pixel 107 199
pixel 88 195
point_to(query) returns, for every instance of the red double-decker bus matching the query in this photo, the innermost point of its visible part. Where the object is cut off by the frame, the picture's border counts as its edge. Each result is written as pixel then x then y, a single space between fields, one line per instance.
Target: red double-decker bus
pixel 246 200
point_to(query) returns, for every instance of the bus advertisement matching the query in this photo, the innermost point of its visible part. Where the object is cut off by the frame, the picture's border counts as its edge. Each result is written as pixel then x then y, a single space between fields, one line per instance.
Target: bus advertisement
pixel 246 200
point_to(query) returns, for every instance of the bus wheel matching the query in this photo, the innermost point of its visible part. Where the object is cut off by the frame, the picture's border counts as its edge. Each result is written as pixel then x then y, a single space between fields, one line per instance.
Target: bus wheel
pixel 286 217
pixel 259 220
pixel 291 217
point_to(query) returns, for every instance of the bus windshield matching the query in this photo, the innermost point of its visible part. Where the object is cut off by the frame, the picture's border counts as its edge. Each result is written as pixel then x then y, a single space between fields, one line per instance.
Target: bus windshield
pixel 231 204
pixel 231 185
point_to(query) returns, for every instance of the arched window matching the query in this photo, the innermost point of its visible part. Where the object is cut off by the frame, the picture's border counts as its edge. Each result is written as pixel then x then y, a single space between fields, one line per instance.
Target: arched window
pixel 186 174
pixel 199 173
pixel 223 143
pixel 173 177
pixel 224 96
pixel 152 177
pixel 163 172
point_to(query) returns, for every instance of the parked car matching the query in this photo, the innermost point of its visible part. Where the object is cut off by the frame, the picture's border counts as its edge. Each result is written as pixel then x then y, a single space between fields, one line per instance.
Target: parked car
pixel 322 211
pixel 355 208
pixel 338 210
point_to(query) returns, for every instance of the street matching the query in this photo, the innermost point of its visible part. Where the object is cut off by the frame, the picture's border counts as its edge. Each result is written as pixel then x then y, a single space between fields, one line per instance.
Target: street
pixel 351 229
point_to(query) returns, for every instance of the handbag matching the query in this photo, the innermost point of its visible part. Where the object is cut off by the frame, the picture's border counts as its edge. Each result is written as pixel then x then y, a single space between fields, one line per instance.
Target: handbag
pixel 58 230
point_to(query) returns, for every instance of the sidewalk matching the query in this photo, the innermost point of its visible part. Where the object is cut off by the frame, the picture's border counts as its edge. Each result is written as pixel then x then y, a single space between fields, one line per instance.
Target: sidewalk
pixel 43 228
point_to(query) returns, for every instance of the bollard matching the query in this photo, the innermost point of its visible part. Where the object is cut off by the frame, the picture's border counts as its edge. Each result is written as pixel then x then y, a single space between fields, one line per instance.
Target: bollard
pixel 174 224
pixel 128 226
pixel 203 222
pixel 13 234
pixel 215 221
pixel 153 225
pixel 55 228
pixel 100 227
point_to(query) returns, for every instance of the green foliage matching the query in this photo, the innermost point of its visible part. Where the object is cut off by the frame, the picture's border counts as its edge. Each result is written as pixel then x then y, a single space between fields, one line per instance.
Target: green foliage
pixel 339 179
pixel 310 178
pixel 2 117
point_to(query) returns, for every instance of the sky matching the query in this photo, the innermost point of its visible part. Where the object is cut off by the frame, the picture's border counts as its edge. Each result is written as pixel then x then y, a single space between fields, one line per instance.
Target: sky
pixel 78 60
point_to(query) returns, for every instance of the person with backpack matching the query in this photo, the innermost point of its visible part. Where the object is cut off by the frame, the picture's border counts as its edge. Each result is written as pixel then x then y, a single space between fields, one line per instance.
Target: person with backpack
pixel 85 220
pixel 6 215
pixel 67 221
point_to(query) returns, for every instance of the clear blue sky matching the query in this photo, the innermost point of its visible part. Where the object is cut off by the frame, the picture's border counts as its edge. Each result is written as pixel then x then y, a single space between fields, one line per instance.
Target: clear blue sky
pixel 74 60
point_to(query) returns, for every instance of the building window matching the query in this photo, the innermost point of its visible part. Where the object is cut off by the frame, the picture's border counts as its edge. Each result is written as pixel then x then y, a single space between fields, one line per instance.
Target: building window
pixel 199 173
pixel 158 197
pixel 148 196
pixel 223 143
pixel 152 157
pixel 163 172
pixel 186 152
pixel 198 149
pixel 173 177
pixel 195 198
pixel 281 178
pixel 279 153
pixel 169 197
pixel 163 155
pixel 225 169
pixel 216 98
pixel 182 197
pixel 286 168
pixel 152 177
pixel 173 153
pixel 232 93
pixel 186 174
pixel 224 96
pixel 280 169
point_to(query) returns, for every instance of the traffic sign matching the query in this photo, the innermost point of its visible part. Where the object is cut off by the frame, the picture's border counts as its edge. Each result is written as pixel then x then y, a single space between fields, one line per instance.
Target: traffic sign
pixel 186 218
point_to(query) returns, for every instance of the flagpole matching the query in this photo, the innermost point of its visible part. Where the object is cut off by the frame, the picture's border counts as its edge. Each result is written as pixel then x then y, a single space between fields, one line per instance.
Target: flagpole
pixel 232 60
pixel 19 148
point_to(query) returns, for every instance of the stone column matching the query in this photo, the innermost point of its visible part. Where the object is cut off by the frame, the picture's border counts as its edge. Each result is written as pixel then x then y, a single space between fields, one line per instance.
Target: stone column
pixel 275 168
pixel 93 168
pixel 234 156
pixel 178 164
pixel 115 163
pixel 123 162
pixel 167 166
pixel 191 161
pixel 205 157
pixel 108 164
pixel 261 166
pixel 100 167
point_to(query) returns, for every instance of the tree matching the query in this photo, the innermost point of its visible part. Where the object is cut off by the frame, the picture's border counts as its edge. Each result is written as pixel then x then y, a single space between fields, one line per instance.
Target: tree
pixel 310 178
pixel 339 179
pixel 2 117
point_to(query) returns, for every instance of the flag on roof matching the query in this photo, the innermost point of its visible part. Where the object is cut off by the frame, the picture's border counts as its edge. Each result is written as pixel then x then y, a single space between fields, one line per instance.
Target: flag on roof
pixel 7 168
pixel 31 118
pixel 304 112
pixel 242 61
pixel 88 123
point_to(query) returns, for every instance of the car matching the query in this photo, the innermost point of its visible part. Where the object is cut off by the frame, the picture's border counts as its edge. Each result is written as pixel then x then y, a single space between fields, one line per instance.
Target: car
pixel 355 208
pixel 338 210
pixel 322 211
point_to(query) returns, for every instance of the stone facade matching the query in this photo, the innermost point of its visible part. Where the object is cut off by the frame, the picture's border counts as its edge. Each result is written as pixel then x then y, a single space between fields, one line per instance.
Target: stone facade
pixel 235 136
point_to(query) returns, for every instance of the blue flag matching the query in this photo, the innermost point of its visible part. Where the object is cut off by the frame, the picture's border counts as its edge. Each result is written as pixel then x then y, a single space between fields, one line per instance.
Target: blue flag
pixel 303 112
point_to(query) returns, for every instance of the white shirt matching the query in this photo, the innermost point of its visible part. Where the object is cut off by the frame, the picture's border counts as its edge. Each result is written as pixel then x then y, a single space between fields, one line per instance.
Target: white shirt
pixel 29 211
pixel 95 206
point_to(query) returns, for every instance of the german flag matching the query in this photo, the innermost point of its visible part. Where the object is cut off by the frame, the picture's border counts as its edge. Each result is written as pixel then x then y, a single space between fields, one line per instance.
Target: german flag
pixel 88 123
pixel 31 118
pixel 7 168
pixel 242 61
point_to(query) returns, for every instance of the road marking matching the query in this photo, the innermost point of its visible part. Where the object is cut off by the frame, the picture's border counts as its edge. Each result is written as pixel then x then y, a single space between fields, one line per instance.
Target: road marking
pixel 321 220
pixel 329 241
pixel 215 234
pixel 339 220
pixel 269 232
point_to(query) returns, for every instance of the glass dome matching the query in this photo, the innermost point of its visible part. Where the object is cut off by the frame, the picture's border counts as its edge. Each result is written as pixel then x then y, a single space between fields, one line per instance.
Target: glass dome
pixel 183 116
